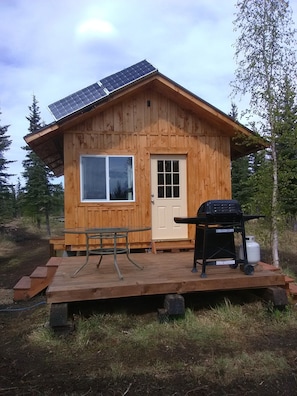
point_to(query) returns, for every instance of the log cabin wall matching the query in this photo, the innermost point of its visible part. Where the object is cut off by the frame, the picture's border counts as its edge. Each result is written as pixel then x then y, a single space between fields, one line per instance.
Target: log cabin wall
pixel 141 125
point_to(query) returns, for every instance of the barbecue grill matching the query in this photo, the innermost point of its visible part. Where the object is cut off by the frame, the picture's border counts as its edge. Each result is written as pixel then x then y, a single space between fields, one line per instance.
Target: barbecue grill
pixel 216 222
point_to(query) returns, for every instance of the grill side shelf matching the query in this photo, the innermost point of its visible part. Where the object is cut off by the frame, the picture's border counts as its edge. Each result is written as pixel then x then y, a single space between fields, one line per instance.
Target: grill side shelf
pixel 202 220
pixel 190 220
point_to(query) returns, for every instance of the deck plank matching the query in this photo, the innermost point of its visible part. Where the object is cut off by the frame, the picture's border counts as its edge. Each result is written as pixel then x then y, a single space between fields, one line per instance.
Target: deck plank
pixel 163 273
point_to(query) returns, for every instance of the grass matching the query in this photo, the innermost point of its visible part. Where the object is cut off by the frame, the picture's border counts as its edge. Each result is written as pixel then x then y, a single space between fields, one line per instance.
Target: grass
pixel 219 345
pixel 229 342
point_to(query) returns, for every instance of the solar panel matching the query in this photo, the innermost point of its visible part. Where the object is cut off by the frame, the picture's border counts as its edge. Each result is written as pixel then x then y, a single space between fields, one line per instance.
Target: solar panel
pixel 77 101
pixel 95 92
pixel 126 76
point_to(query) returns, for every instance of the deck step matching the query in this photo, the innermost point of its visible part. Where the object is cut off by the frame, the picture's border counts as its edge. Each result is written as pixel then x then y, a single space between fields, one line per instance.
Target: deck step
pixel 23 283
pixel 20 290
pixel 56 243
pixel 39 280
pixel 52 266
pixel 39 272
pixel 293 289
pixel 289 281
pixel 292 292
pixel 29 286
pixel 54 261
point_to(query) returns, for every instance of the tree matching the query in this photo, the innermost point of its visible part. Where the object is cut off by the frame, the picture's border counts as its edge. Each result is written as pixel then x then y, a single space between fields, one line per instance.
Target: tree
pixel 265 58
pixel 37 197
pixel 240 172
pixel 6 198
pixel 287 151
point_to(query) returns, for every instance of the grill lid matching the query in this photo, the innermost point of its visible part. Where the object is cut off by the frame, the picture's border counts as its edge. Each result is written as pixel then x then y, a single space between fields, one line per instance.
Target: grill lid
pixel 218 211
pixel 219 207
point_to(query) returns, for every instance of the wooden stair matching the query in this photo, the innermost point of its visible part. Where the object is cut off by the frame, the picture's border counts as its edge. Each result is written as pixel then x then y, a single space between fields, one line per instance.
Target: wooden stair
pixel 56 244
pixel 172 245
pixel 29 286
pixel 292 292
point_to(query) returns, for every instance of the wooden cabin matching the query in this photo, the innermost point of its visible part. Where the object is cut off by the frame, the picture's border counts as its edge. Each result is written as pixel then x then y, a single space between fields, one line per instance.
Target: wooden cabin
pixel 136 149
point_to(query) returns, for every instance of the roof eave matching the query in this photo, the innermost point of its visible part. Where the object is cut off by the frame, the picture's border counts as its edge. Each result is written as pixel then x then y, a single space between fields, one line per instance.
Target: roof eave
pixel 176 91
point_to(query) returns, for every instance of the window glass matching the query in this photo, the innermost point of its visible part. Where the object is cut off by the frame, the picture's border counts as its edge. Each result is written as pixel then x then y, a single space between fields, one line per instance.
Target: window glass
pixel 175 178
pixel 168 166
pixel 94 178
pixel 107 178
pixel 168 179
pixel 175 166
pixel 168 192
pixel 160 166
pixel 176 191
pixel 120 178
pixel 160 192
pixel 160 179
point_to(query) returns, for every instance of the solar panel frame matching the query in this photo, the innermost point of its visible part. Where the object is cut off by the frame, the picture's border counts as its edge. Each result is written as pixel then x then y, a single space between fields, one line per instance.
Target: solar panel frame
pixel 127 76
pixel 99 90
pixel 77 101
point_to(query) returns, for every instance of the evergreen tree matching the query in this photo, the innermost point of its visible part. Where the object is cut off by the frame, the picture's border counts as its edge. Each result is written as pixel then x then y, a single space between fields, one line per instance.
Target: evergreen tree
pixel 239 171
pixel 265 57
pixel 18 199
pixel 287 151
pixel 240 181
pixel 37 197
pixel 6 196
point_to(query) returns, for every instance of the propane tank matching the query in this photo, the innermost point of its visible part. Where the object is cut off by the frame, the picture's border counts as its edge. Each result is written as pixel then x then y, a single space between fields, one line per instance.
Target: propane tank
pixel 252 249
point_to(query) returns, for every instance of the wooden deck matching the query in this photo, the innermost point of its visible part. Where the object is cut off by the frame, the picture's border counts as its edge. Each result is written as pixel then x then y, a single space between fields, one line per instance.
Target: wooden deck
pixel 162 273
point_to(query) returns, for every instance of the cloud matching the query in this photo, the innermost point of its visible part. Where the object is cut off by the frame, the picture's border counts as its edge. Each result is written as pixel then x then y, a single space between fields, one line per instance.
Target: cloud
pixel 94 28
pixel 52 48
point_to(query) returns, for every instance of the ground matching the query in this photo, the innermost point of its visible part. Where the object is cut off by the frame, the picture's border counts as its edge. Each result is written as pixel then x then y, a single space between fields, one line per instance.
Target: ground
pixel 26 371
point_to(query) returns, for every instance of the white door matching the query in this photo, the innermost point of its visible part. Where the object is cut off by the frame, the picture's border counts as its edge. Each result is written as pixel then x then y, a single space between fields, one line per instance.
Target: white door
pixel 168 196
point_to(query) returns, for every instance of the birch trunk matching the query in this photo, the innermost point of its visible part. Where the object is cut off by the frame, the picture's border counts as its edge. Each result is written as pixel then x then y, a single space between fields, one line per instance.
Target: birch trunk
pixel 274 209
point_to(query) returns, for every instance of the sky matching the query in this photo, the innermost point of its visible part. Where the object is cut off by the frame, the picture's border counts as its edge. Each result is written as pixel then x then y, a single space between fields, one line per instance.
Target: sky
pixel 53 48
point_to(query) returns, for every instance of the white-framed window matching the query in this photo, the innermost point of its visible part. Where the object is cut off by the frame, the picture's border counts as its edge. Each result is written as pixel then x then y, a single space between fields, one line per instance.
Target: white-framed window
pixel 107 178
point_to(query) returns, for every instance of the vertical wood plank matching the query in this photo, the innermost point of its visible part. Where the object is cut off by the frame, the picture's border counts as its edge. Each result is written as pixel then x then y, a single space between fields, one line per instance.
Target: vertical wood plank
pixel 143 124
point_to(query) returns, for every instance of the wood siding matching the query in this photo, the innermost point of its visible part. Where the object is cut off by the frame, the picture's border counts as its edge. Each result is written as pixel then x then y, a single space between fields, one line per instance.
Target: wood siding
pixel 144 124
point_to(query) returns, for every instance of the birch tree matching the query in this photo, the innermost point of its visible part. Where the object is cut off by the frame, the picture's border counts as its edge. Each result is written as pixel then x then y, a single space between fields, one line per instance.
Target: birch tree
pixel 265 58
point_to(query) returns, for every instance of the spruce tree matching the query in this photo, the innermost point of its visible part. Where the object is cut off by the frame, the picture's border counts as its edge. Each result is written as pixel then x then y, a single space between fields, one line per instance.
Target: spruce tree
pixel 240 172
pixel 6 193
pixel 37 192
pixel 287 151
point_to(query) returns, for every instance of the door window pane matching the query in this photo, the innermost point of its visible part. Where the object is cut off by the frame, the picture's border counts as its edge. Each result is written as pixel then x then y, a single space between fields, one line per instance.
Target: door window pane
pixel 161 192
pixel 168 166
pixel 168 172
pixel 168 179
pixel 175 165
pixel 168 192
pixel 160 179
pixel 176 191
pixel 160 166
pixel 175 178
